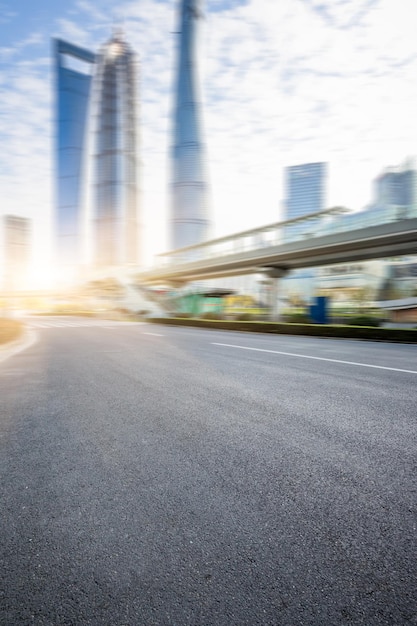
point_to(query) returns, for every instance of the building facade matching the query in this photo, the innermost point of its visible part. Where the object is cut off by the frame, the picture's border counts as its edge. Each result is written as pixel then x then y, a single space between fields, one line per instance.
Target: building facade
pixel 305 187
pixel 97 192
pixel 16 245
pixel 395 191
pixel 115 190
pixel 73 69
pixel 189 221
pixel 305 193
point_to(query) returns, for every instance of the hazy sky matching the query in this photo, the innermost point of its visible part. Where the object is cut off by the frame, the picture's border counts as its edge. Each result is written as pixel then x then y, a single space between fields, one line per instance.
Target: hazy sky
pixel 284 82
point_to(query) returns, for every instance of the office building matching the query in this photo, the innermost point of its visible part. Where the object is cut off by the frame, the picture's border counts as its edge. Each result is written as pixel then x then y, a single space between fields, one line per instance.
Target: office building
pixel 305 193
pixel 189 220
pixel 73 69
pixel 305 187
pixel 115 155
pixel 16 236
pixel 396 191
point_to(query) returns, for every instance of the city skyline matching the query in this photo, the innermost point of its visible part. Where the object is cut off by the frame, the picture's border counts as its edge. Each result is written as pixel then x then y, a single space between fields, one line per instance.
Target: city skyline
pixel 341 92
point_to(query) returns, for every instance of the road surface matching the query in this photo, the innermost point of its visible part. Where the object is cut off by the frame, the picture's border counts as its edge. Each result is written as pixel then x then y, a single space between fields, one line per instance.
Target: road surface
pixel 179 476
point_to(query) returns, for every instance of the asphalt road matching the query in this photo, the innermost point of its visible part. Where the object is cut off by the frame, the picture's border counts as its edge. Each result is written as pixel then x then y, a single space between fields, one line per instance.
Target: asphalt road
pixel 162 475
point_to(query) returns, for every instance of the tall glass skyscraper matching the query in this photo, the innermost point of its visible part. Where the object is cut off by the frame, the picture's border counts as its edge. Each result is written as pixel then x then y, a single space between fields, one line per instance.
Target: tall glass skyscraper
pixel 96 155
pixel 189 222
pixel 15 245
pixel 396 190
pixel 73 69
pixel 115 160
pixel 305 189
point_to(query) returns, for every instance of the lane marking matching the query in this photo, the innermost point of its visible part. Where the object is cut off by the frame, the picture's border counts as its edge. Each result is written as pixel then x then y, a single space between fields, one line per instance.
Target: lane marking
pixel 316 358
pixel 153 334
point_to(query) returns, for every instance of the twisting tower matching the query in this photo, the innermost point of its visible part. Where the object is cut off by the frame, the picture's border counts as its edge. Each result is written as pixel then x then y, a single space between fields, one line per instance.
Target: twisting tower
pixel 189 222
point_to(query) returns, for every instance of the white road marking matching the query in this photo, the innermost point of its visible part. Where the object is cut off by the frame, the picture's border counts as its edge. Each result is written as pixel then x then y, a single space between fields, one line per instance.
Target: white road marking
pixel 153 334
pixel 316 358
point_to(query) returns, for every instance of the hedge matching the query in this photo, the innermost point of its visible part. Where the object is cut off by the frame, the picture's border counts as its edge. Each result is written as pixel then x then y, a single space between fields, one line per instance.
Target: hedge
pixel 402 335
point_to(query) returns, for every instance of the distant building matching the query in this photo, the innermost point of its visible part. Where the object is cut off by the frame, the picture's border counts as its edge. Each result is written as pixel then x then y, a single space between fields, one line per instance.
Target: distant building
pixel 305 189
pixel 96 156
pixel 396 191
pixel 401 312
pixel 115 201
pixel 73 69
pixel 305 193
pixel 189 220
pixel 16 235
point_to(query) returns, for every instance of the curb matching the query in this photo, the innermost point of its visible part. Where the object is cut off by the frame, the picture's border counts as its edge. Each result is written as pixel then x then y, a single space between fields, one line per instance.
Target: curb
pixel 362 333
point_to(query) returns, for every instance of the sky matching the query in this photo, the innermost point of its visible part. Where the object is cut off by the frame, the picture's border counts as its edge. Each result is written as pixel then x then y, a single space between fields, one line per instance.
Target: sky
pixel 283 82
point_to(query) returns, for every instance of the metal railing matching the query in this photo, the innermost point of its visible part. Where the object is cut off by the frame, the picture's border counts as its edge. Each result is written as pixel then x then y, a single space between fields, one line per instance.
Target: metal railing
pixel 329 221
pixel 265 236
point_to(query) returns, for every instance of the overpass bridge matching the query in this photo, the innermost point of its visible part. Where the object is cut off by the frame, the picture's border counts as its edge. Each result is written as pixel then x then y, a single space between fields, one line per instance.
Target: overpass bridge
pixel 323 238
pixel 255 251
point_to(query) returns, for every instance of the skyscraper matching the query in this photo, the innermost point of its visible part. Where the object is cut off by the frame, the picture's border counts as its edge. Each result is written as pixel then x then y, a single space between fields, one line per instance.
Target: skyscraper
pixel 305 189
pixel 73 67
pixel 96 154
pixel 304 193
pixel 189 221
pixel 16 246
pixel 396 190
pixel 115 160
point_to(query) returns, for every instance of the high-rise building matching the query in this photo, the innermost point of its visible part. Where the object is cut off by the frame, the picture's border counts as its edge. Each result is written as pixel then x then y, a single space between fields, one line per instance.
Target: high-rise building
pixel 189 221
pixel 115 158
pixel 305 189
pixel 73 67
pixel 396 190
pixel 305 193
pixel 16 236
pixel 96 155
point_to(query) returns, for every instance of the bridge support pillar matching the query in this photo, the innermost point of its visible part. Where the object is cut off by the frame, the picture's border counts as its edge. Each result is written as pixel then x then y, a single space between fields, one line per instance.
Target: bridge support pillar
pixel 274 274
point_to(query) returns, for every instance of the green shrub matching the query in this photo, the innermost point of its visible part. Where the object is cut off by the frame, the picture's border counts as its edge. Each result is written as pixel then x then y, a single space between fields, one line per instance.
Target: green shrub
pixel 210 315
pixel 252 317
pixel 297 318
pixel 315 330
pixel 364 320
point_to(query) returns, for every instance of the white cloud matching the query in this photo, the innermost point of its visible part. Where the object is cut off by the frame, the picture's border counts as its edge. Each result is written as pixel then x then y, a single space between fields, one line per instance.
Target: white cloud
pixel 69 29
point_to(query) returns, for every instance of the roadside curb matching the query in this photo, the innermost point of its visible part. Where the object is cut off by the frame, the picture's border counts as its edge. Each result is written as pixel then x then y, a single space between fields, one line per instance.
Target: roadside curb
pixel 9 349
pixel 363 333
